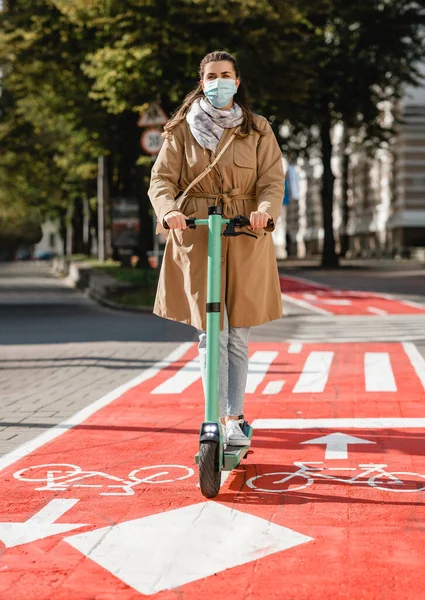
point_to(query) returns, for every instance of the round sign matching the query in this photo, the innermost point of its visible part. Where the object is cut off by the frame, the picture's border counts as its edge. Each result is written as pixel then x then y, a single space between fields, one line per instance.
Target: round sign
pixel 151 141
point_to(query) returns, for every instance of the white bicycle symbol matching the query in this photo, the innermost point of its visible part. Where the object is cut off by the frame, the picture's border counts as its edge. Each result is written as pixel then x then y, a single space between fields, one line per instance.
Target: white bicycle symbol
pixel 59 477
pixel 377 478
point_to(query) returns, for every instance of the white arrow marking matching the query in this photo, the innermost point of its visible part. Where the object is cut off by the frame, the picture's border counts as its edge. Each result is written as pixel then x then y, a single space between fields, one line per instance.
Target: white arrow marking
pixel 173 548
pixel 336 444
pixel 40 525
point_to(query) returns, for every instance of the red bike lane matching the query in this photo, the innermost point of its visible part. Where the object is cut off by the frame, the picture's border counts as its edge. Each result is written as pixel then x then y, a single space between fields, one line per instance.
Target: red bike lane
pixel 329 503
pixel 331 301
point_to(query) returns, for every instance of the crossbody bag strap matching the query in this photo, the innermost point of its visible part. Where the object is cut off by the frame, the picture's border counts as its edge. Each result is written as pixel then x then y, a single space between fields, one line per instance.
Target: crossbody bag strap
pixel 209 167
pixel 159 227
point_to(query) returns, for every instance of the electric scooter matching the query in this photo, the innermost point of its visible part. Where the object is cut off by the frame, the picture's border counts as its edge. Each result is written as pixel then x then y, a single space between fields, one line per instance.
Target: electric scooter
pixel 213 457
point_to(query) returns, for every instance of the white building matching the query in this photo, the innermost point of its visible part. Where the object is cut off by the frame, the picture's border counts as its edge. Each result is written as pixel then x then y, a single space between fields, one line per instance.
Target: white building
pixel 386 193
pixel 51 240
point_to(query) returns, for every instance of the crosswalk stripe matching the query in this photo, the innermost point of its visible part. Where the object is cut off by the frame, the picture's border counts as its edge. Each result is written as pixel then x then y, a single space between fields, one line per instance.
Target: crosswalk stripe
pixel 379 371
pixel 295 348
pixel 379 376
pixel 181 380
pixel 315 373
pixel 273 387
pixel 310 307
pixel 258 366
pixel 416 360
pixel 377 311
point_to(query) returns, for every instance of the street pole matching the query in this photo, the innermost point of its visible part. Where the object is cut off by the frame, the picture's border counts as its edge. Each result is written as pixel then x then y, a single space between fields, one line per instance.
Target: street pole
pixel 155 236
pixel 101 209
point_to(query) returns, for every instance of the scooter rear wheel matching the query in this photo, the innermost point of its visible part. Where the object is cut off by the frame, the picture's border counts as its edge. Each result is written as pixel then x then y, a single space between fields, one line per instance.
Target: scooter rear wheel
pixel 209 474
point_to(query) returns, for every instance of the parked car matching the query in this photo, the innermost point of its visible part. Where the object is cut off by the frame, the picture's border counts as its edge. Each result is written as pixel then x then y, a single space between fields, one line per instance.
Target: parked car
pixel 44 255
pixel 23 254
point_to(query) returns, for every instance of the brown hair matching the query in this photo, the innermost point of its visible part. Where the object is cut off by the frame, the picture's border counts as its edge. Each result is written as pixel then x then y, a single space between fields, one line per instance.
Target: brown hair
pixel 241 97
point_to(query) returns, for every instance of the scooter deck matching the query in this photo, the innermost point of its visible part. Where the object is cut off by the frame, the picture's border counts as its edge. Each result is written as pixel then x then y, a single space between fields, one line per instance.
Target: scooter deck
pixel 234 454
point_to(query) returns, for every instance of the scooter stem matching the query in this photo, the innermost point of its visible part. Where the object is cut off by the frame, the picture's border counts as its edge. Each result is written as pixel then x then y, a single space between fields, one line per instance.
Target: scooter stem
pixel 213 313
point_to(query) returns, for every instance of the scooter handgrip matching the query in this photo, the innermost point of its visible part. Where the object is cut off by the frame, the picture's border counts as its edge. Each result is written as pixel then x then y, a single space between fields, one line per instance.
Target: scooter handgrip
pixel 189 223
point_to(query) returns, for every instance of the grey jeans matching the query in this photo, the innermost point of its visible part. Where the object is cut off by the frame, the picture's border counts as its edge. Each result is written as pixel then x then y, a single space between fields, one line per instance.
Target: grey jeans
pixel 233 366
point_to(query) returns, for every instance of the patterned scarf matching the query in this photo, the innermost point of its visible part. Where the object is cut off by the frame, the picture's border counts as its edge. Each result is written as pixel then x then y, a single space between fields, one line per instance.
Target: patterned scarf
pixel 208 123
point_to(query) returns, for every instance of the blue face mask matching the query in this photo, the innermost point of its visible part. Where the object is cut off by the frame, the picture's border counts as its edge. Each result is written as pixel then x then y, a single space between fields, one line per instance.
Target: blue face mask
pixel 220 91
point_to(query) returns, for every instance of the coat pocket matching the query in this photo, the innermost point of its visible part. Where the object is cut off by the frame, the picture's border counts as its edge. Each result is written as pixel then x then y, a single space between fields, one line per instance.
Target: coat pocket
pixel 244 153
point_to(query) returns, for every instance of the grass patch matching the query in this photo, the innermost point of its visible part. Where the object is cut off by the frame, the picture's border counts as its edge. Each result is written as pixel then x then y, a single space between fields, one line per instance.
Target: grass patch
pixel 134 297
pixel 140 277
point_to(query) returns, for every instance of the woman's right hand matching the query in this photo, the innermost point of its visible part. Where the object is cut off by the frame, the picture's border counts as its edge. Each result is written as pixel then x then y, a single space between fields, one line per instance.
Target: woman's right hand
pixel 175 220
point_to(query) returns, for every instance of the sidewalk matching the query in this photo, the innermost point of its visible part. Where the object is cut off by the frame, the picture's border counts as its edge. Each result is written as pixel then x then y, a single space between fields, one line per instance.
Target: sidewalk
pixel 313 263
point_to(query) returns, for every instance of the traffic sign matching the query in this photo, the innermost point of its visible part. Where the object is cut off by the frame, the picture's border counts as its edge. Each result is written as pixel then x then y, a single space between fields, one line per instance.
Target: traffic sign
pixel 151 141
pixel 153 115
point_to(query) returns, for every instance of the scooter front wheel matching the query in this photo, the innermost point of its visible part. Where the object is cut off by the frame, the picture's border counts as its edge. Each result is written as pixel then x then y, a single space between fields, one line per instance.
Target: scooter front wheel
pixel 209 474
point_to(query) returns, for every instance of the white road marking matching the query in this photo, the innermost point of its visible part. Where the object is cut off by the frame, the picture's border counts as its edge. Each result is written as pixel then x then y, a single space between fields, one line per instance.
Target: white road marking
pixel 336 302
pixel 355 423
pixel 224 478
pixel 258 366
pixel 40 525
pixel 309 296
pixel 309 281
pixel 377 311
pixel 315 373
pixel 177 383
pixel 416 360
pixel 342 469
pixel 88 411
pixel 274 387
pixel 379 376
pixel 170 549
pixel 295 348
pixel 337 444
pixel 303 304
pixel 413 304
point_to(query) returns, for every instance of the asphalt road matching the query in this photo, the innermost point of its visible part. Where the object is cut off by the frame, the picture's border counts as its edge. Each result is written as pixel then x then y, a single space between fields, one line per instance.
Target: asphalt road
pixel 60 351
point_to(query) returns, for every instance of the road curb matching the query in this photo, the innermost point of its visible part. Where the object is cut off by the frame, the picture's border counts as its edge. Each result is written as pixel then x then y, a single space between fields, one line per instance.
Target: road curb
pixel 114 305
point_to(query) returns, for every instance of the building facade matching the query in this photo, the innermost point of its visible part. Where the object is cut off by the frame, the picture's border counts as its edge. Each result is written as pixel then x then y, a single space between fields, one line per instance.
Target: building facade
pixel 381 206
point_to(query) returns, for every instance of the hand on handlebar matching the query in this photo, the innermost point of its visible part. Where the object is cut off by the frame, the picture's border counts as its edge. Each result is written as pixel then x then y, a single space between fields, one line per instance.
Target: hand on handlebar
pixel 175 220
pixel 259 220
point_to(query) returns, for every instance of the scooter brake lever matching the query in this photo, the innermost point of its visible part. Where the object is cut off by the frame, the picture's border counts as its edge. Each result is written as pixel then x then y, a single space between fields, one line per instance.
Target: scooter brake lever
pixel 241 221
pixel 230 232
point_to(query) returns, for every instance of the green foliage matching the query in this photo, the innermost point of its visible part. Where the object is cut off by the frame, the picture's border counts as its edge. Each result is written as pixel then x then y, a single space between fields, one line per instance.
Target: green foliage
pixel 76 73
pixel 19 225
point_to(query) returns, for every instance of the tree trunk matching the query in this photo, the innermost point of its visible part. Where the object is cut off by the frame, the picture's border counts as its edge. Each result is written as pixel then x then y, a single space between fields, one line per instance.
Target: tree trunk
pixel 86 226
pixel 329 256
pixel 345 187
pixel 146 224
pixel 77 227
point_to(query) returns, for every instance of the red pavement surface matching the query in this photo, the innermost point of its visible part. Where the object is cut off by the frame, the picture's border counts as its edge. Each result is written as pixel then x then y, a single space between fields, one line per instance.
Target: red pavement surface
pixel 344 302
pixel 367 542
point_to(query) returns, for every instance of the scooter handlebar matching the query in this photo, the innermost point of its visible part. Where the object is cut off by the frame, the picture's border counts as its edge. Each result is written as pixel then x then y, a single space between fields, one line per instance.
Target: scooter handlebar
pixel 240 221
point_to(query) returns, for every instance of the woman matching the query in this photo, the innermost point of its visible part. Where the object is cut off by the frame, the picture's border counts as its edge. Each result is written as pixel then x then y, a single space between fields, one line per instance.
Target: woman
pixel 247 180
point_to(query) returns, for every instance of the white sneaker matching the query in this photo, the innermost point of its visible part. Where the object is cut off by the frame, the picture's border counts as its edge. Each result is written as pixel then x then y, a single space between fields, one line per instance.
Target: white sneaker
pixel 225 435
pixel 235 434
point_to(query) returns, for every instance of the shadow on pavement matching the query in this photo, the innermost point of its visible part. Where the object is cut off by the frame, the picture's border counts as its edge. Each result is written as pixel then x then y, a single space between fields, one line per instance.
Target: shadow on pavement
pixel 86 322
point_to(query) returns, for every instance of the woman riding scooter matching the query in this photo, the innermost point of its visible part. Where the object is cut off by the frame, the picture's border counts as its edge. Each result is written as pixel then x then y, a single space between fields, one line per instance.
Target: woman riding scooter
pixel 247 180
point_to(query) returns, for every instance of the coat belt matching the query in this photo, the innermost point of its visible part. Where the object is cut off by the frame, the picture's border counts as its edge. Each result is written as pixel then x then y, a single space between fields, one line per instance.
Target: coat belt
pixel 224 198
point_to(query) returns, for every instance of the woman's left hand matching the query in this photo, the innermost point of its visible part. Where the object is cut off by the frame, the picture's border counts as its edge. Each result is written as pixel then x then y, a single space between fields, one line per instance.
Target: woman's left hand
pixel 259 219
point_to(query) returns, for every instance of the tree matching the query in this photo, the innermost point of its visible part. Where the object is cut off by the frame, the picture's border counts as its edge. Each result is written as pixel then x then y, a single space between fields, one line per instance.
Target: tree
pixel 364 54
pixel 76 75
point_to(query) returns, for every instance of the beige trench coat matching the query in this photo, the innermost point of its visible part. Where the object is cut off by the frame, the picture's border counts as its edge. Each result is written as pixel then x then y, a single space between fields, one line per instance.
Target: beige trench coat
pixel 248 177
